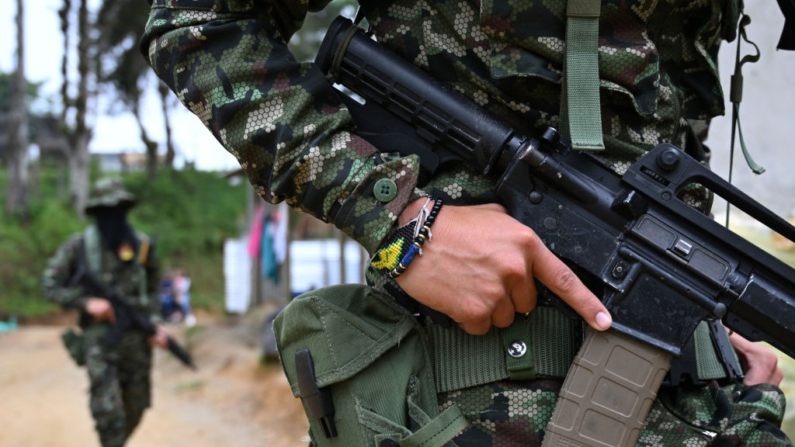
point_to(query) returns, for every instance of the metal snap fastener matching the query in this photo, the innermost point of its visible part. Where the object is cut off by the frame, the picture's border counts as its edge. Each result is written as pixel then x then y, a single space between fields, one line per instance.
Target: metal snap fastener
pixel 388 442
pixel 385 190
pixel 517 349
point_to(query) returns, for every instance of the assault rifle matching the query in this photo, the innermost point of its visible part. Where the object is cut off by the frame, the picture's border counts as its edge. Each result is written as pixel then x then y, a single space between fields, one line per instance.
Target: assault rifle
pixel 659 266
pixel 127 318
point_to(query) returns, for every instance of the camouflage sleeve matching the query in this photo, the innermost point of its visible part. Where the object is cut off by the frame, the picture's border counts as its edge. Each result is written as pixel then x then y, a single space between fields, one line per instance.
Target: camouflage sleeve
pixel 729 415
pixel 60 269
pixel 228 63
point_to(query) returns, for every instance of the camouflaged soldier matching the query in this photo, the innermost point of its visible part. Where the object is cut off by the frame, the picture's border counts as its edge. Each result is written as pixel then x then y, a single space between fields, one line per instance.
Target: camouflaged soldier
pixel 119 375
pixel 228 62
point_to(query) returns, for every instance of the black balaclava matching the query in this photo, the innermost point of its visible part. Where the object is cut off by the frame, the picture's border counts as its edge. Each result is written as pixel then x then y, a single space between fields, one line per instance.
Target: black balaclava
pixel 113 227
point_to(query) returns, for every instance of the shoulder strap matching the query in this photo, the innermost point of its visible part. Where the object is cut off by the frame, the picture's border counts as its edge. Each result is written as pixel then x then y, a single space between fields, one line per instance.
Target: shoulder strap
pixel 580 109
pixel 92 247
pixel 144 245
pixel 144 248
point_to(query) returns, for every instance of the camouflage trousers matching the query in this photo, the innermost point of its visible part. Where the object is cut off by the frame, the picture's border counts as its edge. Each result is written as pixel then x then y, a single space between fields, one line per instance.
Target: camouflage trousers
pixel 515 413
pixel 120 385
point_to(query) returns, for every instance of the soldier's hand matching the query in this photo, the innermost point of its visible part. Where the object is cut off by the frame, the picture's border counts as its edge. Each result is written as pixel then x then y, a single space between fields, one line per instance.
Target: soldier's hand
pixel 160 339
pixel 100 309
pixel 760 364
pixel 479 267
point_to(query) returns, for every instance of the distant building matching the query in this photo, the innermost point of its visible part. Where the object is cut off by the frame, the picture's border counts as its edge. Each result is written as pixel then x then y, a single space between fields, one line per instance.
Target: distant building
pixel 124 162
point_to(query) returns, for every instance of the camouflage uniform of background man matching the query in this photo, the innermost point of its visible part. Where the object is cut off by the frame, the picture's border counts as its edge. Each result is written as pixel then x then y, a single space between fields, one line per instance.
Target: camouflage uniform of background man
pixel 123 259
pixel 228 62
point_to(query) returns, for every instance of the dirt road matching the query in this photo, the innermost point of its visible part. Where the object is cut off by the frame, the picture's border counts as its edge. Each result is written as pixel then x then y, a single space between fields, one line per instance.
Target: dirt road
pixel 230 401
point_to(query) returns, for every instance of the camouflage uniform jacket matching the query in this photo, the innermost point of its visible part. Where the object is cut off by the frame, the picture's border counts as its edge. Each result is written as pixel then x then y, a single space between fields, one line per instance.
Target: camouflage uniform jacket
pixel 125 277
pixel 228 62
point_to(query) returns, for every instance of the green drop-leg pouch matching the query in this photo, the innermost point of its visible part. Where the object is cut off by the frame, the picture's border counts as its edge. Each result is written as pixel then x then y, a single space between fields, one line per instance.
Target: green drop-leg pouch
pixel 75 346
pixel 370 360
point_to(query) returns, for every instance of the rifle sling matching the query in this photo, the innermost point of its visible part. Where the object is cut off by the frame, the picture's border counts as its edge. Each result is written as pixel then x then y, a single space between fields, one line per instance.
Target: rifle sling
pixel 580 109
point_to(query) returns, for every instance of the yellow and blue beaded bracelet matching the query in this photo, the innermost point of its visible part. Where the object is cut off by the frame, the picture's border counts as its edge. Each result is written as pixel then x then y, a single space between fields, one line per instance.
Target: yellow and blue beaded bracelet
pixel 396 255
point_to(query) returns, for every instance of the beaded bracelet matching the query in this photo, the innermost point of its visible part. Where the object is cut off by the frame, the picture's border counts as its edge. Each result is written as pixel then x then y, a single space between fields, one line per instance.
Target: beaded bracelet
pixel 422 233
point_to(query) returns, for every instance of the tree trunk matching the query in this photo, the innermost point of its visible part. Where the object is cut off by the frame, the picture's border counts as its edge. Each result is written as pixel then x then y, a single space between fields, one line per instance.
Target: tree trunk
pixel 79 173
pixel 62 175
pixel 162 88
pixel 149 144
pixel 63 164
pixel 79 158
pixel 17 196
pixel 63 14
pixel 35 179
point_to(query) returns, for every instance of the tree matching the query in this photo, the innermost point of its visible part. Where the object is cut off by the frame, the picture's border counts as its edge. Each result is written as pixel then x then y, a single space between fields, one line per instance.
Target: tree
pixel 120 25
pixel 305 43
pixel 165 93
pixel 6 84
pixel 17 191
pixel 79 135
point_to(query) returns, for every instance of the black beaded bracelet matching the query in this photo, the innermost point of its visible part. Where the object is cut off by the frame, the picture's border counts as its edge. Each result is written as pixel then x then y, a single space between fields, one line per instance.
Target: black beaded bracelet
pixel 422 234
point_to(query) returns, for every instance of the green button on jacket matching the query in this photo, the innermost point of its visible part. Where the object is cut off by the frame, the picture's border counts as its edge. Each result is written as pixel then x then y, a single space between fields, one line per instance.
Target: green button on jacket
pixel 385 190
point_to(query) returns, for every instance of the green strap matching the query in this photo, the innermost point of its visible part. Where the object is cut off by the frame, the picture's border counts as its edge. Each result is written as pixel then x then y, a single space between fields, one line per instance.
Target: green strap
pixel 554 339
pixel 707 362
pixel 517 335
pixel 462 360
pixel 581 118
pixel 736 97
pixel 93 249
pixel 439 431
pixel 758 169
pixel 736 94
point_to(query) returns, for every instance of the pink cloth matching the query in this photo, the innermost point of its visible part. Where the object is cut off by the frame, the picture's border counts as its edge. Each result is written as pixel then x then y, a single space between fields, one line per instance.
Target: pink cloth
pixel 255 236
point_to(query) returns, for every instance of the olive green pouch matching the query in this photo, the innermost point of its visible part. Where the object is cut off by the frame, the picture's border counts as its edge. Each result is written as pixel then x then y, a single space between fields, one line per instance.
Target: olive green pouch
pixel 370 360
pixel 75 346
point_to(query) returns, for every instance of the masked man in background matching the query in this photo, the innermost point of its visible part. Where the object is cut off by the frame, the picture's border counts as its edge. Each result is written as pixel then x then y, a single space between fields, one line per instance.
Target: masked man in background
pixel 123 259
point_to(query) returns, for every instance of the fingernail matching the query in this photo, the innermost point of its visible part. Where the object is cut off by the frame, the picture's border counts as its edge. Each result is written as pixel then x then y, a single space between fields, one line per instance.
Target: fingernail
pixel 603 320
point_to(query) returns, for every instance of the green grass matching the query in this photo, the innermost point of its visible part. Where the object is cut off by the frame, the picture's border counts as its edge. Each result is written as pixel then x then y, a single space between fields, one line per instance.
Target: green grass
pixel 188 386
pixel 188 213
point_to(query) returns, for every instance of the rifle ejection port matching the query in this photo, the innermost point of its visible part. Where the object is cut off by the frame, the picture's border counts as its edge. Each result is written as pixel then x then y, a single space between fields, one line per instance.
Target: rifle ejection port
pixel 683 247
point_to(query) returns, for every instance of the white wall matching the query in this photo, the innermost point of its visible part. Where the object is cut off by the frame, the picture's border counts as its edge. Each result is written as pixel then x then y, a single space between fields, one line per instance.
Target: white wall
pixel 767 113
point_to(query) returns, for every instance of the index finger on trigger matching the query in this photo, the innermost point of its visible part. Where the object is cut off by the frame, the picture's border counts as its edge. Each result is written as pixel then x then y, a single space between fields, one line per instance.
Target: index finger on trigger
pixel 562 281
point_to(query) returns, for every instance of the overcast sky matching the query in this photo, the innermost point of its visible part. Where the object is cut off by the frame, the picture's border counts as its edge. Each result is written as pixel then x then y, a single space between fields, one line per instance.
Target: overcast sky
pixel 44 44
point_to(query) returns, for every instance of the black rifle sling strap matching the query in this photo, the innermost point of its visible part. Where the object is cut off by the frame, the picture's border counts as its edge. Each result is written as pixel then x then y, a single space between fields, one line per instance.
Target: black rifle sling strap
pixel 736 96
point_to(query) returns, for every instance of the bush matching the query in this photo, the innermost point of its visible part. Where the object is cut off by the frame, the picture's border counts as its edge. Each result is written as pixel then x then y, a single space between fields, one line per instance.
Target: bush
pixel 188 213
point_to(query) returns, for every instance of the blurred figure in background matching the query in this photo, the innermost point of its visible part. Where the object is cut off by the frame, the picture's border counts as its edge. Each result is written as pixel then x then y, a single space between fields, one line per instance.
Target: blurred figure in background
pixel 180 284
pixel 167 295
pixel 122 258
